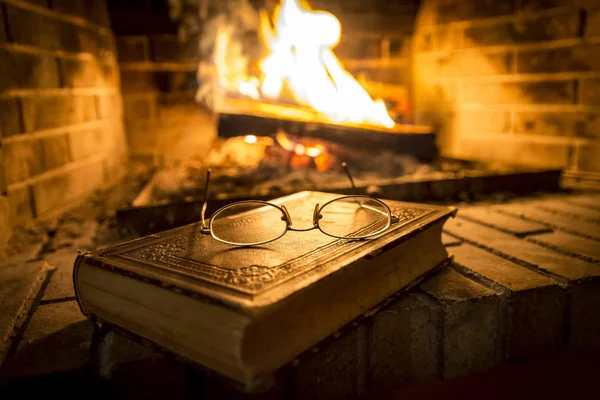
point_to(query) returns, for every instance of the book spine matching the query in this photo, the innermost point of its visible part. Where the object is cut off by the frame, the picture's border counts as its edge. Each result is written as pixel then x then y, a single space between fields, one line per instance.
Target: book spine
pixel 79 260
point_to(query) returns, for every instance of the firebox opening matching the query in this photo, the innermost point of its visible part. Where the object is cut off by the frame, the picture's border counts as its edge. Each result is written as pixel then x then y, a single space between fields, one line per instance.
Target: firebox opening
pixel 398 89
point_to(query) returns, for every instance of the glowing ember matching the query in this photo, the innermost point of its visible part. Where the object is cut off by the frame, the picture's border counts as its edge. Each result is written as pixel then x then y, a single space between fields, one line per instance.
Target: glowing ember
pixel 264 141
pixel 301 151
pixel 310 149
pixel 302 62
pixel 314 151
pixel 250 139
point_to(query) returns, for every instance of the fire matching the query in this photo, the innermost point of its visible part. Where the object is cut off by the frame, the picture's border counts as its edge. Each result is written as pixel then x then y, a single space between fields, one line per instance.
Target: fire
pixel 250 139
pixel 312 150
pixel 302 62
pixel 260 140
pixel 304 150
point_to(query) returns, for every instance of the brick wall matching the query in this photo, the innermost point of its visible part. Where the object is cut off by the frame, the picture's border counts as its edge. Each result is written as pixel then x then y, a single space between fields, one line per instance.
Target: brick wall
pixel 60 108
pixel 511 81
pixel 163 121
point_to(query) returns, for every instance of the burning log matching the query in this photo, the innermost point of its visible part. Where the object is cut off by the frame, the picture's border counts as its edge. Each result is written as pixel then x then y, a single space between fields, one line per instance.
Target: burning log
pixel 242 116
pixel 298 85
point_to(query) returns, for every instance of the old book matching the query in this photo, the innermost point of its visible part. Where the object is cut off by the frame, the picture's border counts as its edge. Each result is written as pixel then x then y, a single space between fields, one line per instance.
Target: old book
pixel 246 311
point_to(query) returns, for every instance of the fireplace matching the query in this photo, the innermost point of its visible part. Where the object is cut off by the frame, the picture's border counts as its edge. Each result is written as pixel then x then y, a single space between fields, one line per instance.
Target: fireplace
pixel 489 106
pixel 89 87
pixel 226 51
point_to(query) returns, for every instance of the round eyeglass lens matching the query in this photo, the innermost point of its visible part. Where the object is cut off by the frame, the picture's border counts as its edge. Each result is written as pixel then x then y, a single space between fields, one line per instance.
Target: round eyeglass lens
pixel 354 217
pixel 248 223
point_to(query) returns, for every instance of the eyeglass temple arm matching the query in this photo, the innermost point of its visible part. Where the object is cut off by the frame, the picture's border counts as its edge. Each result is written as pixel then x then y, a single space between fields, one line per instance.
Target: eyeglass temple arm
pixel 345 166
pixel 204 202
pixel 394 218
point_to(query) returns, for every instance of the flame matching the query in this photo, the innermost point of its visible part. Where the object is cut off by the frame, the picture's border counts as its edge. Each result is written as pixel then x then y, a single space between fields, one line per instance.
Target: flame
pixel 249 88
pixel 302 61
pixel 284 141
pixel 314 151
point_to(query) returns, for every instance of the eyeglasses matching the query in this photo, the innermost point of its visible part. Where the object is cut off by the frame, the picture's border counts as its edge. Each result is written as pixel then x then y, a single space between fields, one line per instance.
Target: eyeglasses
pixel 255 222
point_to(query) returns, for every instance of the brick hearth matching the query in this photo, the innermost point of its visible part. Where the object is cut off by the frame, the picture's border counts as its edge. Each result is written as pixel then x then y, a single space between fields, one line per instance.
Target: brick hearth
pixel 524 286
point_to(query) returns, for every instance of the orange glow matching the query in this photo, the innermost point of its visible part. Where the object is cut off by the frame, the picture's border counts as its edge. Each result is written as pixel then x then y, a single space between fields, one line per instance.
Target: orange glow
pixel 249 88
pixel 324 161
pixel 284 141
pixel 302 62
pixel 311 149
pixel 259 140
pixel 314 151
pixel 250 139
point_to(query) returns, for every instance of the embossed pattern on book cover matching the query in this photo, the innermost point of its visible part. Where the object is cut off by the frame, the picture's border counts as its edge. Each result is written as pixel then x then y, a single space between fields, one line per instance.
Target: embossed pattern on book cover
pixel 253 270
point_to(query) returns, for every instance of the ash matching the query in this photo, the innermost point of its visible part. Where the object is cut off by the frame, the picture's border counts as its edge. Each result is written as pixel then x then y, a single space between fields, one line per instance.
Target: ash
pixel 247 170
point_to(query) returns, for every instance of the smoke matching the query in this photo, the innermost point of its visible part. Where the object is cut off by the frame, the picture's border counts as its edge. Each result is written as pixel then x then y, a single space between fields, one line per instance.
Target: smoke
pixel 227 38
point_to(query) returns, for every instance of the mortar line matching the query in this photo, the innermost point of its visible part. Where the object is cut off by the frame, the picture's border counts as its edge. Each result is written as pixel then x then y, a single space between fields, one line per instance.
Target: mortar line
pixel 521 77
pixel 79 21
pixel 98 91
pixel 504 296
pixel 525 107
pixel 549 224
pixel 582 22
pixel 522 138
pixel 504 48
pixel 366 34
pixel 27 136
pixel 376 62
pixel 589 174
pixel 159 66
pixel 506 303
pixel 519 15
pixel 58 300
pixel 562 280
pixel 519 235
pixel 25 48
pixel 60 170
pixel 76 201
pixel 437 313
pixel 589 206
pixel 477 277
pixel 568 214
pixel 563 251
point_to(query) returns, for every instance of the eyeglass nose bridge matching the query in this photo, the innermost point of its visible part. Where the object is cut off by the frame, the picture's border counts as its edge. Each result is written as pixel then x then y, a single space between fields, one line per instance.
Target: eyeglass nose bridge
pixel 316 215
pixel 286 216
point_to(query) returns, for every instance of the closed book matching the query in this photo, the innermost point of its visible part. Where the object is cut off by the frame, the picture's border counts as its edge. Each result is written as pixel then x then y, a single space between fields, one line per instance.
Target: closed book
pixel 246 311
